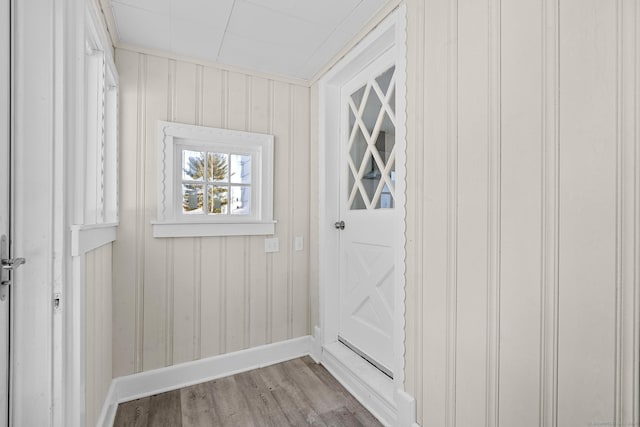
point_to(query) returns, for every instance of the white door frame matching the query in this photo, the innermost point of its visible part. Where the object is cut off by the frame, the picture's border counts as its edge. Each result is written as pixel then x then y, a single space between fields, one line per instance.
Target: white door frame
pixel 34 129
pixel 5 156
pixel 386 398
pixel 47 368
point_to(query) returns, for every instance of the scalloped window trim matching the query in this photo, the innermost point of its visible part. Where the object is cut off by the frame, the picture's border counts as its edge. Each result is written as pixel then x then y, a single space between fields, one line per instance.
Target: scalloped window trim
pixel 171 222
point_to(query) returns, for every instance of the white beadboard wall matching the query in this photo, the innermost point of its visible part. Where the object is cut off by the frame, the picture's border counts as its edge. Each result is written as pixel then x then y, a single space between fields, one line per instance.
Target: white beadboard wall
pixel 182 299
pixel 98 330
pixel 523 255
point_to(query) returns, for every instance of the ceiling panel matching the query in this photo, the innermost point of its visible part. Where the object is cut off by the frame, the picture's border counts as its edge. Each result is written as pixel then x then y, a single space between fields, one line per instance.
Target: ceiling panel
pixel 158 6
pixel 319 58
pixel 196 40
pixel 142 28
pixel 293 38
pixel 211 12
pixel 325 12
pixel 260 55
pixel 260 23
pixel 360 16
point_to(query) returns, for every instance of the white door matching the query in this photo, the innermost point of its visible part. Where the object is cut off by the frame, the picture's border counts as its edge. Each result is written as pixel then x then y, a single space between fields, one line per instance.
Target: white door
pixel 368 211
pixel 5 86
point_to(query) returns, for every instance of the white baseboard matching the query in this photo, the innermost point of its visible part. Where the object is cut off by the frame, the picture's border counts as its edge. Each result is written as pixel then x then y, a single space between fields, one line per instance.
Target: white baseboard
pixel 406 409
pixel 148 383
pixel 316 345
pixel 372 388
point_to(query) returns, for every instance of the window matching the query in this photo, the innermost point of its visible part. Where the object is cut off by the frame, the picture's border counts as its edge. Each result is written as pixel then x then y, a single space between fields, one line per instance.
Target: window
pixel 95 171
pixel 213 182
pixel 100 171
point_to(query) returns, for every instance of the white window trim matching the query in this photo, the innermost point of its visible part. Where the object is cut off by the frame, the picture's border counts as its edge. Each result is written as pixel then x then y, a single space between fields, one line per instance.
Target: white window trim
pixel 170 220
pixel 95 215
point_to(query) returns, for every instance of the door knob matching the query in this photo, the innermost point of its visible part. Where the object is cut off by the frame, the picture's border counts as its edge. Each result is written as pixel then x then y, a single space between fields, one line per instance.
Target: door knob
pixel 339 225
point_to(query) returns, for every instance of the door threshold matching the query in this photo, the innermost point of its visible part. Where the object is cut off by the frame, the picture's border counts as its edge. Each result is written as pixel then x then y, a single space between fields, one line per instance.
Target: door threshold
pixel 370 386
pixel 366 357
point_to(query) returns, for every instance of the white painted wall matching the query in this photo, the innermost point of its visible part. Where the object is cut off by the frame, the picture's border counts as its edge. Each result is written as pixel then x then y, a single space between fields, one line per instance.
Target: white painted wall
pixel 98 318
pixel 183 299
pixel 523 212
pixel 522 227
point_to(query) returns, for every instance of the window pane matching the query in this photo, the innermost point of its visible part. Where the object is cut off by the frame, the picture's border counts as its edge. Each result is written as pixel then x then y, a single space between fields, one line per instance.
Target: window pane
pixel 358 202
pixel 371 179
pixel 240 200
pixel 357 96
pixel 240 169
pixel 218 167
pixel 358 148
pixel 371 112
pixel 192 165
pixel 192 198
pixel 218 200
pixel 384 79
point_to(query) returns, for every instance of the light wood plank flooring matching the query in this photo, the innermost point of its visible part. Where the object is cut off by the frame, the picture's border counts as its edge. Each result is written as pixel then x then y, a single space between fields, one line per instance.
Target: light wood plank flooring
pixel 294 393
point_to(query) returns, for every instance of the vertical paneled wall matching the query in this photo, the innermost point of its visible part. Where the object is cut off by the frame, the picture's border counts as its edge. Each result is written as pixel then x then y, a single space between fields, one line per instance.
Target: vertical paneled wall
pixel 523 212
pixel 177 300
pixel 98 329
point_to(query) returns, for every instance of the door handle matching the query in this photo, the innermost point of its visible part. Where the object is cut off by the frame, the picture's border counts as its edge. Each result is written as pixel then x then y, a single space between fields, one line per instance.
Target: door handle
pixel 339 225
pixel 12 263
pixel 7 265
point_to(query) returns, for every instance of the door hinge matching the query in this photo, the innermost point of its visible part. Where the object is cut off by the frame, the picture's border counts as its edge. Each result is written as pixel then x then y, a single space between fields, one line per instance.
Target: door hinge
pixel 57 301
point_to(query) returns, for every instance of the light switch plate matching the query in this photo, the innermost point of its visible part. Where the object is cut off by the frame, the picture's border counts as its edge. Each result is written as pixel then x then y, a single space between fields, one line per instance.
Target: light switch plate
pixel 299 243
pixel 272 245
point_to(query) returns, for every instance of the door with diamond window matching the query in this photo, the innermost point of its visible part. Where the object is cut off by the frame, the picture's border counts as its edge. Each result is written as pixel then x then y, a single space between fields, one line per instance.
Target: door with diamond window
pixel 367 207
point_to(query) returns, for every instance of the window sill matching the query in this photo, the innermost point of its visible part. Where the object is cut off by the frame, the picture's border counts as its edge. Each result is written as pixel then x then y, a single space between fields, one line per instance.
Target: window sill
pixel 208 229
pixel 85 238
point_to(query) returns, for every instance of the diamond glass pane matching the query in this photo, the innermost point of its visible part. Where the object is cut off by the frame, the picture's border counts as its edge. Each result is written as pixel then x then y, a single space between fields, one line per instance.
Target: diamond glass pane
pixel 192 198
pixel 392 174
pixel 240 201
pixel 384 79
pixel 192 165
pixel 371 179
pixel 357 96
pixel 358 202
pixel 351 182
pixel 218 200
pixel 240 169
pixel 392 100
pixel 371 111
pixel 217 167
pixel 352 120
pixel 386 199
pixel 358 149
pixel 386 139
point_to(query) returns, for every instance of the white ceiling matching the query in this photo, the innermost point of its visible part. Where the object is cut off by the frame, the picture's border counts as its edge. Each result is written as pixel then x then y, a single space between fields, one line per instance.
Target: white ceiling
pixel 292 38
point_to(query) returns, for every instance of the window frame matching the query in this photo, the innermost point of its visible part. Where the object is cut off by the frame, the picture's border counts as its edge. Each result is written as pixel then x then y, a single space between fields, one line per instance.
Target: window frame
pixel 172 222
pixel 95 214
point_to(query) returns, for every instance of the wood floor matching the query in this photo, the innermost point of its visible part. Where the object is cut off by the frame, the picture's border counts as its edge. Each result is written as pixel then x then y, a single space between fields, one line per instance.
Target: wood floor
pixel 294 393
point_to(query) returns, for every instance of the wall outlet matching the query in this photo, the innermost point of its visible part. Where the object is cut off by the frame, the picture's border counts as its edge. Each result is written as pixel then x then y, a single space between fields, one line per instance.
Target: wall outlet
pixel 272 244
pixel 299 243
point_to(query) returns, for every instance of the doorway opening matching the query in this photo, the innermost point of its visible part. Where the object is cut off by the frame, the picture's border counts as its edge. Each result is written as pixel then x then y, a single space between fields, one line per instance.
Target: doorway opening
pixel 362 144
